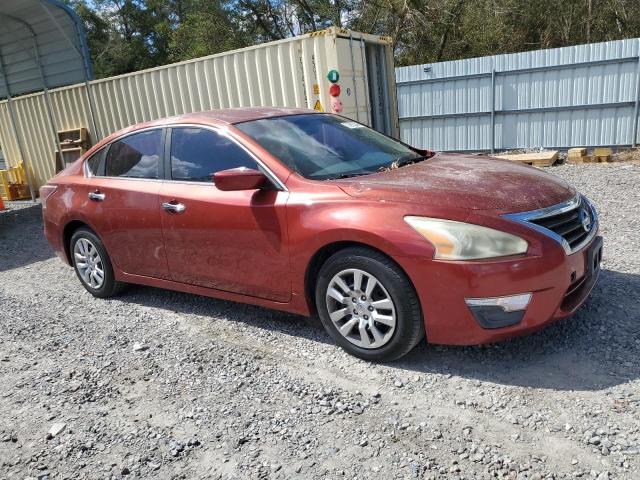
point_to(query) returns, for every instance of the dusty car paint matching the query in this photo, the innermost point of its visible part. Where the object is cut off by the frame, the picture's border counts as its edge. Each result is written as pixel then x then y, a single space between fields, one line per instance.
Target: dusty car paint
pixel 266 241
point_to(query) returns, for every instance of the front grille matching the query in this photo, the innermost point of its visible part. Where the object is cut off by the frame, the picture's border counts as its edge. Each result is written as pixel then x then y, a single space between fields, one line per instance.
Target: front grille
pixel 573 225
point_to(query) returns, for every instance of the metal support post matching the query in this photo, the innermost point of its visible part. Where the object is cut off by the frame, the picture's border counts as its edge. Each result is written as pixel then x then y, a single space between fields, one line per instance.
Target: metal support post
pixel 493 111
pixel 47 100
pixel 353 71
pixel 89 91
pixel 634 131
pixel 366 81
pixel 86 69
pixel 14 126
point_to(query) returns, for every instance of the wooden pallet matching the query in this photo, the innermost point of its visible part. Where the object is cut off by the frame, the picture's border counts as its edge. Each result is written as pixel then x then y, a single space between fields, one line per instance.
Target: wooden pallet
pixel 576 155
pixel 579 155
pixel 537 159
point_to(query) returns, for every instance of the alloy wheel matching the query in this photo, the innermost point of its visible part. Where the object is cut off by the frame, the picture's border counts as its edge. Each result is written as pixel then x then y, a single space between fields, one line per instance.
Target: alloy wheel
pixel 361 308
pixel 89 263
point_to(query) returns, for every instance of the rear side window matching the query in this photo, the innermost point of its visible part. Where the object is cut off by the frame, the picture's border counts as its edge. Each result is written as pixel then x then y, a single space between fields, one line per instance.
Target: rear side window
pixel 196 154
pixel 93 162
pixel 135 156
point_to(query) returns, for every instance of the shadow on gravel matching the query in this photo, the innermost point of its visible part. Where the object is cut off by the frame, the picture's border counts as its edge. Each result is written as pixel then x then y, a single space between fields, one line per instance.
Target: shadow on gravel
pixel 263 318
pixel 22 240
pixel 597 348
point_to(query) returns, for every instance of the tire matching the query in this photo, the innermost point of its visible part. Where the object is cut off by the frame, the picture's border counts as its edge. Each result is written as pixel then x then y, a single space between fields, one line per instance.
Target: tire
pixel 85 243
pixel 402 328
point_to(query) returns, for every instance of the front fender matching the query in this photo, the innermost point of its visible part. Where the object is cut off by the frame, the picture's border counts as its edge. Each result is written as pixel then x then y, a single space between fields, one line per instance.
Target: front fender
pixel 313 226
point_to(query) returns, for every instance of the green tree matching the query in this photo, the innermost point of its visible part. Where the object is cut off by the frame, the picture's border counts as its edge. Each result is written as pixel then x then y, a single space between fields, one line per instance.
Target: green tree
pixel 203 29
pixel 128 35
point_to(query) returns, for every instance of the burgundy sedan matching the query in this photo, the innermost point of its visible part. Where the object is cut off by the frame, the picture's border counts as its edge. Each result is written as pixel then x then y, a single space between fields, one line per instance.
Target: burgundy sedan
pixel 314 213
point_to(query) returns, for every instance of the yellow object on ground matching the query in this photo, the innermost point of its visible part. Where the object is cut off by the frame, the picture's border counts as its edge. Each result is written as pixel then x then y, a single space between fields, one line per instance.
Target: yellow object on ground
pixel 13 183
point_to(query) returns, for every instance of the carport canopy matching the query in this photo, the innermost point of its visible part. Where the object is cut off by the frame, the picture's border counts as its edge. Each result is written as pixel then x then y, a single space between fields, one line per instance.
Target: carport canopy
pixel 42 45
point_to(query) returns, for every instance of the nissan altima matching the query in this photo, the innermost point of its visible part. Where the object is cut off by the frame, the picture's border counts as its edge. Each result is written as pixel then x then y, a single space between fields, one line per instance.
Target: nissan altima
pixel 314 213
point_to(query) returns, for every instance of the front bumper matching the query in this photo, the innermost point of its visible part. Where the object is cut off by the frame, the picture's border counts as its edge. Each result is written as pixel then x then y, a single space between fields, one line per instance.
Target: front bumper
pixel 559 285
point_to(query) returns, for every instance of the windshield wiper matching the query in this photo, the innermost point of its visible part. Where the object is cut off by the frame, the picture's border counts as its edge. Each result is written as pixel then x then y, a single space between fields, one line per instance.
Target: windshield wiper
pixel 396 163
pixel 348 175
pixel 406 161
pixel 402 161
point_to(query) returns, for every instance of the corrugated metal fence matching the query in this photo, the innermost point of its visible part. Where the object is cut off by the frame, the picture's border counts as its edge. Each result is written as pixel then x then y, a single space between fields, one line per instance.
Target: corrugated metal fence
pixel 585 95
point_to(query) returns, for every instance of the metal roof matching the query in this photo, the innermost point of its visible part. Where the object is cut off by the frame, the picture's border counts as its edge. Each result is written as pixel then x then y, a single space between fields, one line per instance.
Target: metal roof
pixel 41 33
pixel 42 46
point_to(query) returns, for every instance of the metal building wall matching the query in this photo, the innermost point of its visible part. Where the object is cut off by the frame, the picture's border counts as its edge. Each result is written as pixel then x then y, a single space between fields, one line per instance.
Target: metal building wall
pixel 290 72
pixel 586 95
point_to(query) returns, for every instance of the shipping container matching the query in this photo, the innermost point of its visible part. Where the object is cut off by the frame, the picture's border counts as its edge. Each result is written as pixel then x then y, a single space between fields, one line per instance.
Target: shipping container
pixel 295 72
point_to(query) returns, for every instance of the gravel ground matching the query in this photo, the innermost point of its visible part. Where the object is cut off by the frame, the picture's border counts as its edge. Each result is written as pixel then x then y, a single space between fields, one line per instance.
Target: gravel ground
pixel 159 384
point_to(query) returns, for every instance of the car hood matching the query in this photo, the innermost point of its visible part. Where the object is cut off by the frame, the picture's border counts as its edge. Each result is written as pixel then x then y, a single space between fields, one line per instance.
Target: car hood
pixel 465 182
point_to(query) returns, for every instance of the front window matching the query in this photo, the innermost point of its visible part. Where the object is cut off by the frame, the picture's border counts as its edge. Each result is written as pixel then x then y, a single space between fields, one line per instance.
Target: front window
pixel 197 153
pixel 321 147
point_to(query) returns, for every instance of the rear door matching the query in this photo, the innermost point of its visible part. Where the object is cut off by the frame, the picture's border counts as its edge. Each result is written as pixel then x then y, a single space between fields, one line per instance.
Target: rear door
pixel 123 205
pixel 232 241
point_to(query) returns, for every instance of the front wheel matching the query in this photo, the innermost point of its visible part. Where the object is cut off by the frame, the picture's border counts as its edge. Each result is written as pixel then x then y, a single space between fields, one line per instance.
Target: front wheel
pixel 368 305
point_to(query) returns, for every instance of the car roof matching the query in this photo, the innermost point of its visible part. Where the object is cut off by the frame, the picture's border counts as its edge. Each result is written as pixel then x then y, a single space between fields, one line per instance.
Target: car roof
pixel 239 115
pixel 211 117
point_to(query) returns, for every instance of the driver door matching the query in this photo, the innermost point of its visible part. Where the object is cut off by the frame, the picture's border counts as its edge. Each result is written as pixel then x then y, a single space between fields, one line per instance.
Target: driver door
pixel 232 241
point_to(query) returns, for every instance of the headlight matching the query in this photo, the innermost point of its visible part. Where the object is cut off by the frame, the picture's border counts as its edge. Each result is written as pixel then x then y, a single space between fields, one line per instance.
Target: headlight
pixel 464 241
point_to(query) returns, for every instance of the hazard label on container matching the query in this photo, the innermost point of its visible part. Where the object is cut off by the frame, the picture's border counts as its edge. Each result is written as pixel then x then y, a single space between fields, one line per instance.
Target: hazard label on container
pixel 318 106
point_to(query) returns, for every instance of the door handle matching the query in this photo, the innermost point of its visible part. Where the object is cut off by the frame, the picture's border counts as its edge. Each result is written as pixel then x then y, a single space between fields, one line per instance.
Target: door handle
pixel 173 207
pixel 97 196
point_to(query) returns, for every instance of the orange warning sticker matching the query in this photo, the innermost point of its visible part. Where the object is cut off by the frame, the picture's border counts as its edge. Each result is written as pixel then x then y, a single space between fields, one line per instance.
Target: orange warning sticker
pixel 318 106
pixel 316 89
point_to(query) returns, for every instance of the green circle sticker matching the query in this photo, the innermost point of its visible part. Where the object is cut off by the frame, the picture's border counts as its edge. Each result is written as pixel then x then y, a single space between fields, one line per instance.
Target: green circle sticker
pixel 333 76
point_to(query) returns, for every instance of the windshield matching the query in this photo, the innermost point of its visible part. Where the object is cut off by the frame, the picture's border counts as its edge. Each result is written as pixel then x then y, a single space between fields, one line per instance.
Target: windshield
pixel 320 147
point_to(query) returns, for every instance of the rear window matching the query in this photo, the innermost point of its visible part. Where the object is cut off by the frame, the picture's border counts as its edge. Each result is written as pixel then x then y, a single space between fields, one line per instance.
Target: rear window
pixel 93 162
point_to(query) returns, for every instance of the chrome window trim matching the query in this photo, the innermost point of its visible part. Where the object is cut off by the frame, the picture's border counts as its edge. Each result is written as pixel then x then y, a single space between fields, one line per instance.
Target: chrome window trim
pixel 85 168
pixel 524 218
pixel 139 179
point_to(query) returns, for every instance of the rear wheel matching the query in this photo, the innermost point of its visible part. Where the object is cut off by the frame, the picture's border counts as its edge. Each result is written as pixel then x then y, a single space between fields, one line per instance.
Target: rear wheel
pixel 92 264
pixel 368 305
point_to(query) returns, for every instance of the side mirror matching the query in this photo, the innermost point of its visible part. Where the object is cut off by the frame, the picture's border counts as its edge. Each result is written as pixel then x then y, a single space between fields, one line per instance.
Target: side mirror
pixel 241 178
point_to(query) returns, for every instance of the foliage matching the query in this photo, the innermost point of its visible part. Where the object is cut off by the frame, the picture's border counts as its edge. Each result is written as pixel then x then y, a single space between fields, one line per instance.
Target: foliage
pixel 128 35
